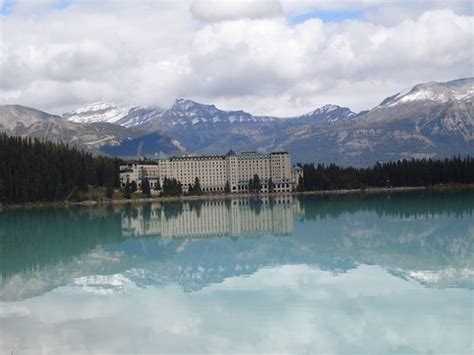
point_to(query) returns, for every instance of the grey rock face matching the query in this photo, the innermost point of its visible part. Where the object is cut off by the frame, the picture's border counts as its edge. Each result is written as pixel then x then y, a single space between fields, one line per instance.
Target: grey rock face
pixel 433 120
pixel 429 120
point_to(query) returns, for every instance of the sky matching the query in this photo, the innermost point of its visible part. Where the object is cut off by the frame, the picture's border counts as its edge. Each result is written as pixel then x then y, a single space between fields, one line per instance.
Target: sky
pixel 267 57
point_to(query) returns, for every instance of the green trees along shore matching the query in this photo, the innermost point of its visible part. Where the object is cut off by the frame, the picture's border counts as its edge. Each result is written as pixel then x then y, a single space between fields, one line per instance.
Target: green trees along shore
pixel 32 170
pixel 38 171
pixel 401 173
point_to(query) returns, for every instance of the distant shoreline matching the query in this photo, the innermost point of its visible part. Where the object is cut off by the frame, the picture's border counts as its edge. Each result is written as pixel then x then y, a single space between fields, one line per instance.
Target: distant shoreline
pixel 374 190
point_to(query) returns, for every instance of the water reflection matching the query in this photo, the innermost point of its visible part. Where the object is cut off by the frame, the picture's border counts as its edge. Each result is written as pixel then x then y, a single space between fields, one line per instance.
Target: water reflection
pixel 211 218
pixel 341 274
pixel 427 237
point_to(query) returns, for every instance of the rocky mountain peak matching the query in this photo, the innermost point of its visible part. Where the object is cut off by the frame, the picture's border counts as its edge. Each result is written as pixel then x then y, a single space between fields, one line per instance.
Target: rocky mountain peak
pixel 191 108
pixel 329 113
pixel 16 117
pixel 188 112
pixel 455 90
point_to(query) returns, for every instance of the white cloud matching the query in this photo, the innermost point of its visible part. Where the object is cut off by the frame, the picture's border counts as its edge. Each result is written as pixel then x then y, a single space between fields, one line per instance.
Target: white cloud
pixel 286 309
pixel 354 63
pixel 220 10
pixel 239 57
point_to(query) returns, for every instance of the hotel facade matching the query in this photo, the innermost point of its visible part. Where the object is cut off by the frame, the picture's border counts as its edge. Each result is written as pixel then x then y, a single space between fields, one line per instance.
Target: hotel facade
pixel 214 172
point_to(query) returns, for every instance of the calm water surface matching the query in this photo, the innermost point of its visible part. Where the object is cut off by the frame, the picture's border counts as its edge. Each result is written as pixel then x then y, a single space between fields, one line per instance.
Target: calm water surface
pixel 351 274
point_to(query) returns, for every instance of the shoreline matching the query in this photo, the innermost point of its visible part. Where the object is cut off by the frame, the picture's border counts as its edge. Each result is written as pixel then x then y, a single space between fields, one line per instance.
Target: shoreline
pixel 373 190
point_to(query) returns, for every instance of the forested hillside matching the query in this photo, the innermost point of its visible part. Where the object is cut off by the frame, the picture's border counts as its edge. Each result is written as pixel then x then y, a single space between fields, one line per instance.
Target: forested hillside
pixel 423 172
pixel 33 170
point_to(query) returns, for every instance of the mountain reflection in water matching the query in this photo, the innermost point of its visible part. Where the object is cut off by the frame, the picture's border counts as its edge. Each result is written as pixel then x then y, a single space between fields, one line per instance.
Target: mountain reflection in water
pixel 366 274
pixel 427 237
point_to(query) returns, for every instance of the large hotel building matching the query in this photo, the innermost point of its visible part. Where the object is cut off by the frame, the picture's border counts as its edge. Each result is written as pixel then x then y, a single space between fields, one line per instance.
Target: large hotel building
pixel 215 171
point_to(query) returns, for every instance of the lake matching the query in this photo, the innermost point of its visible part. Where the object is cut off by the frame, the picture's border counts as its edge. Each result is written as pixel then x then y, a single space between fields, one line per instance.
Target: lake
pixel 358 274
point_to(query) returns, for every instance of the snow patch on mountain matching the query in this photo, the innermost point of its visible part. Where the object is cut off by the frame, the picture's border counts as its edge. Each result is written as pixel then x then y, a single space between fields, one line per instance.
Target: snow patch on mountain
pixel 183 113
pixel 98 112
pixel 139 116
pixel 455 90
pixel 188 112
pixel 328 113
pixel 178 145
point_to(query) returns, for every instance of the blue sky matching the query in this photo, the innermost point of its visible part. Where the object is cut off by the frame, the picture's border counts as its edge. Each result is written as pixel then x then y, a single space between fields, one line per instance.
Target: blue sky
pixel 8 5
pixel 327 16
pixel 5 8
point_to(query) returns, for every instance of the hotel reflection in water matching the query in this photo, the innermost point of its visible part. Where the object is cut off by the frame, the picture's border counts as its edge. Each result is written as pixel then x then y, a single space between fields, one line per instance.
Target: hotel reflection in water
pixel 197 219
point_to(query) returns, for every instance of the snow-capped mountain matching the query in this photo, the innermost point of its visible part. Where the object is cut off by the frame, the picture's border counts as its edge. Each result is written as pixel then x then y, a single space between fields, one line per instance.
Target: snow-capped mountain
pixel 186 113
pixel 98 112
pixel 94 136
pixel 428 120
pixel 26 121
pixel 183 112
pixel 328 114
pixel 435 108
pixel 433 92
pixel 204 128
pixel 139 116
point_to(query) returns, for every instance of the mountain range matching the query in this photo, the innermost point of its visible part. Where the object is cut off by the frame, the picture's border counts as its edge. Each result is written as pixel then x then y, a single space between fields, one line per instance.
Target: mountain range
pixel 428 120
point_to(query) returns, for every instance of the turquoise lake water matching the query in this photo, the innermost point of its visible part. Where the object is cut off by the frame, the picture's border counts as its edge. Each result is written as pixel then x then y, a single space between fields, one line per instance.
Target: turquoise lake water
pixel 355 274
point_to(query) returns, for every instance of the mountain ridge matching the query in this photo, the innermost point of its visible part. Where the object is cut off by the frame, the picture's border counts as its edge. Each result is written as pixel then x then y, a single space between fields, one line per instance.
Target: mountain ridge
pixel 428 120
pixel 93 136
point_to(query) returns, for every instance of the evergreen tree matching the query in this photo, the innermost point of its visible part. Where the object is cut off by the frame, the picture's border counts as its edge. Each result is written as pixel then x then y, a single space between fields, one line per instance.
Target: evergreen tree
pixel 127 191
pixel 300 186
pixel 158 185
pixel 257 186
pixel 227 187
pixel 197 187
pixel 33 170
pixel 134 186
pixel 146 187
pixel 424 172
pixel 109 191
pixel 166 186
pixel 171 187
pixel 271 186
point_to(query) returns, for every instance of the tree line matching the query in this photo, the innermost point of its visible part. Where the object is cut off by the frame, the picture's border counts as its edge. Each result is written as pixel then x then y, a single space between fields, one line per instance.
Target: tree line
pixel 173 187
pixel 414 172
pixel 33 170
